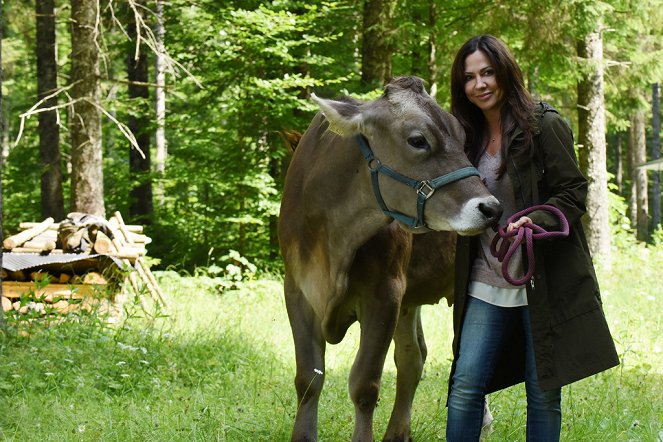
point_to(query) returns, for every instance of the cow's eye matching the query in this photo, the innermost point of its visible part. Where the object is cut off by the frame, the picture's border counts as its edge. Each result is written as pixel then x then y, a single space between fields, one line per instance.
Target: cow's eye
pixel 418 142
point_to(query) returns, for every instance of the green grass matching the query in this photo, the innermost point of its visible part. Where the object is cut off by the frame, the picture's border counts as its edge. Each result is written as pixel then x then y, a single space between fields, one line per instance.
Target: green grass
pixel 221 369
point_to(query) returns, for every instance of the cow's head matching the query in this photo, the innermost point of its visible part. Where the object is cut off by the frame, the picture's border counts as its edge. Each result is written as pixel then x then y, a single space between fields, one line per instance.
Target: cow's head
pixel 411 135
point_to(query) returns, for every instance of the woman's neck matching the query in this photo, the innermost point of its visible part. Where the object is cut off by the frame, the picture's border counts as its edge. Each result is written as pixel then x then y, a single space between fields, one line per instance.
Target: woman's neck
pixel 494 135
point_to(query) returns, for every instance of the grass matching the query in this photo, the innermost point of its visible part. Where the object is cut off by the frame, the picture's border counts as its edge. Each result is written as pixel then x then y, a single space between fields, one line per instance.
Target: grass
pixel 221 369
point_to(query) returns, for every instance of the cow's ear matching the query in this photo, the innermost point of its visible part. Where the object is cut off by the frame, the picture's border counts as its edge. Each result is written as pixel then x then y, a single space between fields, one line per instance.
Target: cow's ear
pixel 344 118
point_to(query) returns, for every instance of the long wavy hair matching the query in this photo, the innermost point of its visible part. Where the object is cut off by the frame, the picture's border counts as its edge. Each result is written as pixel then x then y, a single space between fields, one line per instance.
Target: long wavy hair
pixel 517 107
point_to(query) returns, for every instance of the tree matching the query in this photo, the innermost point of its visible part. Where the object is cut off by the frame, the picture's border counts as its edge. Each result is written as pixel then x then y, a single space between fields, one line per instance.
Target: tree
pixel 140 206
pixel 161 147
pixel 87 188
pixel 655 154
pixel 639 175
pixel 591 139
pixel 377 43
pixel 52 200
pixel 432 48
pixel 619 164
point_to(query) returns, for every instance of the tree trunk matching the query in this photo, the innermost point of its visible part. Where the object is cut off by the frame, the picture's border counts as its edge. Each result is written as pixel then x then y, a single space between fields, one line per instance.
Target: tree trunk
pixel 432 46
pixel 87 178
pixel 632 198
pixel 140 206
pixel 639 176
pixel 592 146
pixel 418 52
pixel 376 47
pixel 160 101
pixel 52 200
pixel 655 155
pixel 619 164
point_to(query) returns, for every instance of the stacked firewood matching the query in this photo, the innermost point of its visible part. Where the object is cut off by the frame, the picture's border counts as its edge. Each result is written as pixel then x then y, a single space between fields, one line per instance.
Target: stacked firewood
pixel 63 289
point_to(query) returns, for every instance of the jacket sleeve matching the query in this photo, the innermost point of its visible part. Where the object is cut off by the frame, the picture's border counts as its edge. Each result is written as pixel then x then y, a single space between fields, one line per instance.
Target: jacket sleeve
pixel 564 185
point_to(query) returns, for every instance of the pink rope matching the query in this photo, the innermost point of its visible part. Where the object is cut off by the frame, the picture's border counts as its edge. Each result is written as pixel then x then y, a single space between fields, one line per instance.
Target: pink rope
pixel 529 232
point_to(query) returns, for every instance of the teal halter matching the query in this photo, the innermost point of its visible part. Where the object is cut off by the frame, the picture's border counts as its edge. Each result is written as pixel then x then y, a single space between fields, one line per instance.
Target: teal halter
pixel 425 188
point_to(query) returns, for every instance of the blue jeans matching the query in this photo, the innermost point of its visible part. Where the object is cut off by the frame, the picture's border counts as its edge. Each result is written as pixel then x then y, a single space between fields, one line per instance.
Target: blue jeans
pixel 485 328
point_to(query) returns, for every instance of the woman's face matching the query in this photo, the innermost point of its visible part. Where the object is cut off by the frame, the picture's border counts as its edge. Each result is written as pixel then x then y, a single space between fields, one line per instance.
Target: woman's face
pixel 481 85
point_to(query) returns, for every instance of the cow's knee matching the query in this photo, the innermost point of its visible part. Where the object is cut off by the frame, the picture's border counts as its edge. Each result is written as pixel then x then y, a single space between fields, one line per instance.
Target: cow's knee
pixel 308 385
pixel 365 396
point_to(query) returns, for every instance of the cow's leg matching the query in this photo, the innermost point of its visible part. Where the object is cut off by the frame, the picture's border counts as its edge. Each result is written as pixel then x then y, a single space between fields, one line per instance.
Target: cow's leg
pixel 310 357
pixel 378 321
pixel 409 354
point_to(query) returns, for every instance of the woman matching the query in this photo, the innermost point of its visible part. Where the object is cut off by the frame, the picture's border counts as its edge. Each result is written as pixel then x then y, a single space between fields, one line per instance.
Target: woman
pixel 551 331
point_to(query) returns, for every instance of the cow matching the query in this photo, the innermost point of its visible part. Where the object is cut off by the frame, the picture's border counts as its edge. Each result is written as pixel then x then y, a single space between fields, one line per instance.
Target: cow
pixel 365 178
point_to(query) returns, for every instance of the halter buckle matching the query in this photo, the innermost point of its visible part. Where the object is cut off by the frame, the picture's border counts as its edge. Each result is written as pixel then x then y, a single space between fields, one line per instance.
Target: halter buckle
pixel 374 164
pixel 425 189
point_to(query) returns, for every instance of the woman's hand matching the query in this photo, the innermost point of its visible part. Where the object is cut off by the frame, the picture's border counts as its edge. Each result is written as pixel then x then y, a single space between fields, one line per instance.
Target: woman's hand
pixel 520 222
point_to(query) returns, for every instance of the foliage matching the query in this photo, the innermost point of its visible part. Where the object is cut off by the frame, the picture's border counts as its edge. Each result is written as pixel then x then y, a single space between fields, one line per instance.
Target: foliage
pixel 226 157
pixel 246 69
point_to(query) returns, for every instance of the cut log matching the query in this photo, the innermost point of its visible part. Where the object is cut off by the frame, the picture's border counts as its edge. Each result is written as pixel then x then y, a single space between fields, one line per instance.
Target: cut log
pixel 18 239
pixel 123 228
pixel 102 244
pixel 61 306
pixel 90 278
pixel 150 277
pixel 143 271
pixel 14 290
pixel 64 278
pixel 39 276
pixel 55 226
pixel 18 275
pixel 45 245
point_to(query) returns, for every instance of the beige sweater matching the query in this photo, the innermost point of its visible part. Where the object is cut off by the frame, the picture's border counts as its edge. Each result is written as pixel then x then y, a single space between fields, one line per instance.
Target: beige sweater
pixel 486 268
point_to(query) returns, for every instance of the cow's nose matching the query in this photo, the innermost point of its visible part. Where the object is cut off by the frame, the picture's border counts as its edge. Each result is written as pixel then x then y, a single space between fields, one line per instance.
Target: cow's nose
pixel 492 210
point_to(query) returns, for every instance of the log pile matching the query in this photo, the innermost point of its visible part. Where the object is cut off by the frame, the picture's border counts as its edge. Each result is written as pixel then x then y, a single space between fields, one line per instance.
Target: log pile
pixel 65 287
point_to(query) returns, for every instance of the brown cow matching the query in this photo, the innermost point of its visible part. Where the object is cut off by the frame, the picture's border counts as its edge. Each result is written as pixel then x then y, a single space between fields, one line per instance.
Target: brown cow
pixel 347 259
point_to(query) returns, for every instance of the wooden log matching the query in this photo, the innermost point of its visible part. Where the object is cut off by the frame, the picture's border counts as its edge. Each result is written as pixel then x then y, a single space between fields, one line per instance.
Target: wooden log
pixel 138 238
pixel 38 276
pixel 45 245
pixel 20 238
pixel 64 278
pixel 123 228
pixel 18 275
pixel 61 306
pixel 150 283
pixel 90 278
pixel 55 226
pixel 143 271
pixel 48 235
pixel 102 244
pixel 14 290
pixel 118 244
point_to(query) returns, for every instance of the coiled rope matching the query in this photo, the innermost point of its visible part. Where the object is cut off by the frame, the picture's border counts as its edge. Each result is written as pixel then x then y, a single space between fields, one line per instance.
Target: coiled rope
pixel 527 232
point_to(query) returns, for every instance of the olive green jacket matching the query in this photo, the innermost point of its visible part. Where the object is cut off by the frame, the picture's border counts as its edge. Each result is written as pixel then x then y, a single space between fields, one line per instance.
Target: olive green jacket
pixel 570 332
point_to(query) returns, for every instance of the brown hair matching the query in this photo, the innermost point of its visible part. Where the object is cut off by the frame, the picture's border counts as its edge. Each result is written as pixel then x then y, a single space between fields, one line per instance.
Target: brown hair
pixel 517 107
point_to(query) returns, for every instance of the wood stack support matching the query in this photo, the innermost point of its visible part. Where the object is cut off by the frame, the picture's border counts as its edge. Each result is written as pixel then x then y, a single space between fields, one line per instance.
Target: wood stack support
pixel 63 291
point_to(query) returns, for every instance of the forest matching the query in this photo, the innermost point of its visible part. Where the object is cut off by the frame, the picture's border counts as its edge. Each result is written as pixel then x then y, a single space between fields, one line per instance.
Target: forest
pixel 176 113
